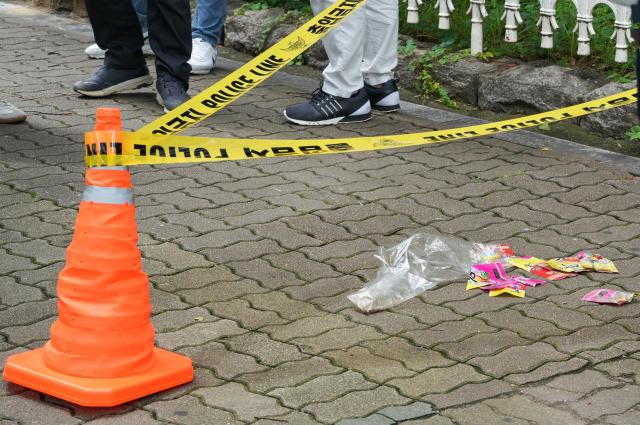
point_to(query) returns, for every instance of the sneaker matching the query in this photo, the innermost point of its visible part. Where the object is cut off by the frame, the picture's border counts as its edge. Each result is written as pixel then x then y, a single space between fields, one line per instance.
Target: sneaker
pixel 95 52
pixel 385 98
pixel 171 92
pixel 9 114
pixel 324 108
pixel 203 56
pixel 106 81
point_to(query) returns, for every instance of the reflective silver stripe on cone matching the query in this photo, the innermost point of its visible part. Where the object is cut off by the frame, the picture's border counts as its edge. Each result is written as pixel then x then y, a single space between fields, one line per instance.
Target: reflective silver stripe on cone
pixel 113 167
pixel 108 195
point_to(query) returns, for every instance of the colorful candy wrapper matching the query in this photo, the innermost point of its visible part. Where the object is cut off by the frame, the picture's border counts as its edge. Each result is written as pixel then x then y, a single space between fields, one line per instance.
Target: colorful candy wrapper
pixel 568 264
pixel 608 296
pixel 538 267
pixel 527 281
pixel 596 262
pixel 482 275
pixel 513 288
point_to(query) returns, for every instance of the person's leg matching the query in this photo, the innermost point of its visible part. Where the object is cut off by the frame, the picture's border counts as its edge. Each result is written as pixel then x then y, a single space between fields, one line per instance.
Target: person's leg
pixel 380 55
pixel 116 30
pixel 344 46
pixel 206 33
pixel 170 37
pixel 208 20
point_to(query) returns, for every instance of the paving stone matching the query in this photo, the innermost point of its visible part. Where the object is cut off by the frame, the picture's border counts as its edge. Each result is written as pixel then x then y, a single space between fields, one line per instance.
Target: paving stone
pixel 324 287
pixel 242 312
pixel 426 313
pixel 269 276
pixel 188 410
pixel 437 380
pixel 226 364
pixel 520 407
pixel 217 239
pixel 246 405
pixel 565 209
pixel 27 313
pixel 628 417
pixel 268 351
pixel 561 317
pixel 481 345
pixel 517 322
pixel 287 237
pixel 518 359
pixel 433 420
pixel 289 374
pixel 621 368
pixel 482 414
pixel 610 401
pixel 411 356
pixel 469 393
pixel 174 256
pixel 13 293
pixel 355 404
pixel 138 417
pixel 385 321
pixel 197 334
pixel 374 367
pixel 374 419
pixel 410 411
pixel 322 389
pixel 195 278
pixel 286 307
pixel 293 418
pixel 28 408
pixel 305 269
pixel 221 291
pixel 307 327
pixel 590 338
pixel 313 226
pixel 242 251
pixel 547 370
pixel 337 339
pixel 448 332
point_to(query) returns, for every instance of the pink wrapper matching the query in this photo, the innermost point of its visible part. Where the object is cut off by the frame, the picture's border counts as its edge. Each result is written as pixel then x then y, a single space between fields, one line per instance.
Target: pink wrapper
pixel 608 296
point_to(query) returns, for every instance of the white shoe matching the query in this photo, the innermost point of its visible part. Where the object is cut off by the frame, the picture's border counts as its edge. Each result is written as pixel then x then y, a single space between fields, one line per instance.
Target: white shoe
pixel 95 52
pixel 203 56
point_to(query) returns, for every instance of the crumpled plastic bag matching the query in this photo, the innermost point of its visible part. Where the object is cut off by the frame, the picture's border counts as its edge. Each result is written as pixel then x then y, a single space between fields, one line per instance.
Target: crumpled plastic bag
pixel 422 262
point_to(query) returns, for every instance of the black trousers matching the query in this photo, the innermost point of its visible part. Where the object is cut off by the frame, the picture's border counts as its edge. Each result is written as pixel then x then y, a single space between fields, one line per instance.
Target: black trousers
pixel 117 30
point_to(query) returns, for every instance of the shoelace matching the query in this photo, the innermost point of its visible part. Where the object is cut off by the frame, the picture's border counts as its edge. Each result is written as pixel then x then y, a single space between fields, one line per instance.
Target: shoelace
pixel 319 98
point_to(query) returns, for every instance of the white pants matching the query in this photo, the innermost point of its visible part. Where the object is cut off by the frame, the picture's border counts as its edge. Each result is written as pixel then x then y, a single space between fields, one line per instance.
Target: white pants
pixel 362 48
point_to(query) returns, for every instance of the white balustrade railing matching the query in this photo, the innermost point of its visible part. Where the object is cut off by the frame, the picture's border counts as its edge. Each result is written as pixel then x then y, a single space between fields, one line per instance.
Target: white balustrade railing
pixel 547 23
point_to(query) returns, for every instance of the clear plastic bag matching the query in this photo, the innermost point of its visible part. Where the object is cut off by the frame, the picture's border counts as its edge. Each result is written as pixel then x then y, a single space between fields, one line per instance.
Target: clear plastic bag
pixel 419 263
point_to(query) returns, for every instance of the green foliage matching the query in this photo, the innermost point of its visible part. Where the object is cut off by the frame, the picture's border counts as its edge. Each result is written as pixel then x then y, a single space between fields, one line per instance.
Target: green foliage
pixel 528 45
pixel 301 6
pixel 634 133
pixel 621 78
pixel 407 48
pixel 425 83
pixel 250 7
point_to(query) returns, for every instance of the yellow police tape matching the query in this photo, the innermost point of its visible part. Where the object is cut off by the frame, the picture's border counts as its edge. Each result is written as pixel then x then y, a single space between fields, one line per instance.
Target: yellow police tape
pixel 126 148
pixel 254 72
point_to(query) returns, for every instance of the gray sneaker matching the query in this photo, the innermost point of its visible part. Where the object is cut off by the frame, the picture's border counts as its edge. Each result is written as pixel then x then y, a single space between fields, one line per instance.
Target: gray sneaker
pixel 9 114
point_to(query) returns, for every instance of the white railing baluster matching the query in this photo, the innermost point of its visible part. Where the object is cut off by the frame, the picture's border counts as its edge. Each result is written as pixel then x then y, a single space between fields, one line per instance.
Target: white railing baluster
pixel 412 11
pixel 547 22
pixel 512 19
pixel 622 31
pixel 445 7
pixel 478 13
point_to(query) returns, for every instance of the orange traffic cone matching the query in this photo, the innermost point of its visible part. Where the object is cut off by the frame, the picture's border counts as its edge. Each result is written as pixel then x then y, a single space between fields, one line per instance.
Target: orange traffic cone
pixel 101 351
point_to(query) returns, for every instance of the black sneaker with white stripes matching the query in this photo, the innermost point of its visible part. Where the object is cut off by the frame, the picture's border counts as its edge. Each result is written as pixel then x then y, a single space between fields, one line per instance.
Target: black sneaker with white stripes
pixel 324 109
pixel 385 98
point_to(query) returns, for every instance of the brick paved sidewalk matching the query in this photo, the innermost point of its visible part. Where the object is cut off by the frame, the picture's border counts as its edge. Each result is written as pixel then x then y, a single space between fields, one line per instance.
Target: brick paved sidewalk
pixel 251 263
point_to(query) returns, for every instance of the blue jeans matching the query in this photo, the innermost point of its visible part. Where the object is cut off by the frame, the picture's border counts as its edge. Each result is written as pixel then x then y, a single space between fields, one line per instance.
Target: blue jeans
pixel 140 6
pixel 208 20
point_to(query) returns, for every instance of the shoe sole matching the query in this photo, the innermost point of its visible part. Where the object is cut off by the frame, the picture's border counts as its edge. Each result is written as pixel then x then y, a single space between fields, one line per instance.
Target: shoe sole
pixel 200 71
pixel 391 108
pixel 161 102
pixel 340 120
pixel 134 83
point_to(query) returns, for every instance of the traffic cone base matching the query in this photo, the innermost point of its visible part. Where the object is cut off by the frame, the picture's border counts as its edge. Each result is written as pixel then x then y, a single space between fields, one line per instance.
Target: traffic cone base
pixel 29 370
